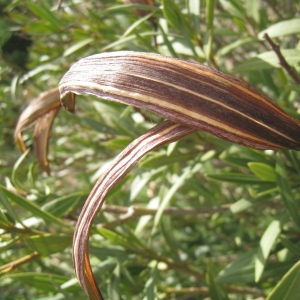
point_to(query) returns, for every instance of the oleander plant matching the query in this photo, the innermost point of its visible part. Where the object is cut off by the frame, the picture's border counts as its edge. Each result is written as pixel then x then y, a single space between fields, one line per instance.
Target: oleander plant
pixel 175 175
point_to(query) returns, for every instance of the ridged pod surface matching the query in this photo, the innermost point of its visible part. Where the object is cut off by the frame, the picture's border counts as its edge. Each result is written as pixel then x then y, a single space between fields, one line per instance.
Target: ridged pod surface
pixel 190 96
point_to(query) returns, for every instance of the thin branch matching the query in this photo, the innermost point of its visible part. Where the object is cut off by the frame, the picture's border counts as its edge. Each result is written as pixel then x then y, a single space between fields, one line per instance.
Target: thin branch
pixel 282 61
pixel 133 212
pixel 58 5
pixel 245 290
pixel 14 264
pixel 204 290
pixel 182 266
pixel 174 211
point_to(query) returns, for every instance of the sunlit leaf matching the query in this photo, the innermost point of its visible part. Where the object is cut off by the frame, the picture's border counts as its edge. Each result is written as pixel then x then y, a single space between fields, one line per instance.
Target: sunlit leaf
pixel 282 28
pixel 266 243
pixel 78 46
pixel 237 178
pixel 289 286
pixel 263 171
pixel 269 59
pixel 32 207
pixel 241 270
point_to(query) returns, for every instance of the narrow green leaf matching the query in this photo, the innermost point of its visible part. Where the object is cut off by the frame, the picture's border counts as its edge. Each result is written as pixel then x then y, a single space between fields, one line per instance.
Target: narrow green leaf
pixel 288 287
pixel 266 244
pixel 292 246
pixel 286 192
pixel 234 160
pixel 114 284
pixel 253 7
pixel 39 28
pixel 166 41
pixel 189 36
pixel 167 230
pixel 108 253
pixel 216 291
pixel 263 171
pixel 17 166
pixel 208 40
pixel 11 211
pixel 145 220
pixel 150 290
pixel 45 14
pixel 159 159
pixel 172 13
pixel 207 156
pixel 4 219
pixel 237 178
pixel 41 281
pixel 32 207
pixel 123 41
pixel 78 46
pixel 263 192
pixel 128 277
pixel 169 195
pixel 117 143
pixel 240 270
pixel 234 8
pixel 130 7
pixel 137 23
pixel 62 205
pixel 282 28
pixel 269 59
pixel 240 206
pixel 210 5
pixel 195 16
pixel 9 244
pixel 119 239
pixel 232 46
pixel 138 183
pixel 5 32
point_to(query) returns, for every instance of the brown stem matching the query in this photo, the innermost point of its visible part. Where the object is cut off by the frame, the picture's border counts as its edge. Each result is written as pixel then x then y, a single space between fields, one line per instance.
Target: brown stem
pixel 132 212
pixel 205 291
pixel 14 264
pixel 282 61
pixel 177 266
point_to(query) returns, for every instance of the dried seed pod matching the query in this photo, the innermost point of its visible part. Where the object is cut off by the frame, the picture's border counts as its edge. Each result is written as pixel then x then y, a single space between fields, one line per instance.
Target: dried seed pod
pixel 192 96
pixel 187 93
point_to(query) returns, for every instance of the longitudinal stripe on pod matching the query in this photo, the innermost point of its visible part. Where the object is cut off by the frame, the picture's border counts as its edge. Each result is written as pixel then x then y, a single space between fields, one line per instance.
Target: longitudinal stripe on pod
pixel 193 87
pixel 168 105
pixel 191 96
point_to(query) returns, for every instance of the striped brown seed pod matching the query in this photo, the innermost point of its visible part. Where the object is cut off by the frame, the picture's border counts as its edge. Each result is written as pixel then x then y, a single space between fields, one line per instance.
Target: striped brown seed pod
pixel 186 93
pixel 41 111
pixel 192 96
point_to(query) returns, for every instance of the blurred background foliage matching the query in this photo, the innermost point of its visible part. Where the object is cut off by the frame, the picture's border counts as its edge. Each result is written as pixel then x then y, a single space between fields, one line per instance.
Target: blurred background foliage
pixel 208 219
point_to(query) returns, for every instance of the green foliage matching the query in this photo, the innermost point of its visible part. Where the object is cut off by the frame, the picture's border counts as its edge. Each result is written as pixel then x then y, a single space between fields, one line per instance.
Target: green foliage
pixel 207 218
